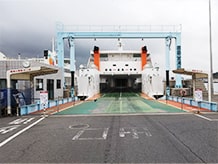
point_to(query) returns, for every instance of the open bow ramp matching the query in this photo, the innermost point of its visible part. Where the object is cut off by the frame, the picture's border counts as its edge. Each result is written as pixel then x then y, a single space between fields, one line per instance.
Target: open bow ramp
pixel 120 103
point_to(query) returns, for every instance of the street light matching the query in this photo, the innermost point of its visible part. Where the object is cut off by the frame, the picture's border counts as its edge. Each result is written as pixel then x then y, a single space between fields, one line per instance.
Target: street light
pixel 210 82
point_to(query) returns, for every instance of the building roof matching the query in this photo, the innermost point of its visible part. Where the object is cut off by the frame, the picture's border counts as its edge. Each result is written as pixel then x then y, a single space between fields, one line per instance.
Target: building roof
pixel 27 73
pixel 197 74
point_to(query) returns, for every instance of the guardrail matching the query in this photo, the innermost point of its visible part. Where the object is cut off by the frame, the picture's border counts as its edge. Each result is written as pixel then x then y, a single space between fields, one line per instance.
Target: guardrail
pixel 27 109
pixel 212 106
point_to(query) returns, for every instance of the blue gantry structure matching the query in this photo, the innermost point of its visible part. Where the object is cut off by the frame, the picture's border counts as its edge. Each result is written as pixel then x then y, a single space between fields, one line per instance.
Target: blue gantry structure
pixel 119 32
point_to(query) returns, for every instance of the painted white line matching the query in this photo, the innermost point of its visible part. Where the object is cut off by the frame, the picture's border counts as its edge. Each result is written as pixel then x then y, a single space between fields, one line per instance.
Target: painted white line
pixel 18 121
pixel 20 132
pixel 104 136
pixel 78 135
pixel 121 106
pixel 29 120
pixel 208 119
pixel 7 129
pixel 147 132
pixel 124 114
pixel 135 133
pixel 80 126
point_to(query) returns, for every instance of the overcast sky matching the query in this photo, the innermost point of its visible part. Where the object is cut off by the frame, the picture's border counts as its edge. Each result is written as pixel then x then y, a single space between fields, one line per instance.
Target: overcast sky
pixel 27 26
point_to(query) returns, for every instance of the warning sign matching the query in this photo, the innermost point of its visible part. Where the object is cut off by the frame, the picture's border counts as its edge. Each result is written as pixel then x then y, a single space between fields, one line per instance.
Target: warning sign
pixel 198 95
pixel 44 98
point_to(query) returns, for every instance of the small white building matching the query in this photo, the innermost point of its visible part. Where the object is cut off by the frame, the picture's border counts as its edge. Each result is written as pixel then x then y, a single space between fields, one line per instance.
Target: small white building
pixel 47 78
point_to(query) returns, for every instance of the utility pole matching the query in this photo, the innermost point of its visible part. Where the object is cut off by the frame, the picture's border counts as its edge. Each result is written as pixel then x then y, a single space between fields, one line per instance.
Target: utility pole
pixel 210 82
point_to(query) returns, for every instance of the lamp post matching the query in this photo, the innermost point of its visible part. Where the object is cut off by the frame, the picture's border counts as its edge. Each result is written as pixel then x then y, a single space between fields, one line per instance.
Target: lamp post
pixel 210 82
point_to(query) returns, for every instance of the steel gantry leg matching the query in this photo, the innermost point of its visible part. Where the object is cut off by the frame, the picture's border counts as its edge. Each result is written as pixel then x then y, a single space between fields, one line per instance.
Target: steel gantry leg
pixel 60 52
pixel 72 63
pixel 178 62
pixel 168 44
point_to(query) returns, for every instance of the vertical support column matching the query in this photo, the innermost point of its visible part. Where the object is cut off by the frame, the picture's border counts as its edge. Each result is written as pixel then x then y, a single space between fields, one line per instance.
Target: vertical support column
pixel 168 43
pixel 8 75
pixel 194 84
pixel 72 63
pixel 32 94
pixel 60 54
pixel 144 56
pixel 60 49
pixel 178 61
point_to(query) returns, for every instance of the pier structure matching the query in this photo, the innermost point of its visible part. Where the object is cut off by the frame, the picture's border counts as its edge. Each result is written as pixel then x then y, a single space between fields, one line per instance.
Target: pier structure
pixel 119 32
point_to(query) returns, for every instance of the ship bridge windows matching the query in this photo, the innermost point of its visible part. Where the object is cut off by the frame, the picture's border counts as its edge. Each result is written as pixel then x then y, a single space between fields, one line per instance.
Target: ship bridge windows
pixel 104 57
pixel 136 55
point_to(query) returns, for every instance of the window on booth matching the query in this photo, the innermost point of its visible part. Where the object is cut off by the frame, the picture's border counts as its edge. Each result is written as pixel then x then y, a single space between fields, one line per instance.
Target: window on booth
pixel 58 84
pixel 39 84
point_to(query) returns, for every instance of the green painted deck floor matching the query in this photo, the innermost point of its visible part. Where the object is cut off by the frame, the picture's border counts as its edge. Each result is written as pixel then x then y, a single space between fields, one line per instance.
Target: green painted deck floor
pixel 119 103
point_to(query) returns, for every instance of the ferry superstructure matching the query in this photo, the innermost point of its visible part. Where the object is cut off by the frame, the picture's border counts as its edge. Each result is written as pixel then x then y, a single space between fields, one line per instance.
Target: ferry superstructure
pixel 119 70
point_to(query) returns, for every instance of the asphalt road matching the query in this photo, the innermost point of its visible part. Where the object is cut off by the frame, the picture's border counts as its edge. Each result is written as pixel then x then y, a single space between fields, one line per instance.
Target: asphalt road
pixel 160 138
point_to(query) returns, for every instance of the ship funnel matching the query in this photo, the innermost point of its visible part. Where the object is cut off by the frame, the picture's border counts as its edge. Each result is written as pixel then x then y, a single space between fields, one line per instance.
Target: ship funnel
pixel 144 56
pixel 97 57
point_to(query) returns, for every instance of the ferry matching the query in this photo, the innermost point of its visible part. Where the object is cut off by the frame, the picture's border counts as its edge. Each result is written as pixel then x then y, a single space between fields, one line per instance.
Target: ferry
pixel 119 71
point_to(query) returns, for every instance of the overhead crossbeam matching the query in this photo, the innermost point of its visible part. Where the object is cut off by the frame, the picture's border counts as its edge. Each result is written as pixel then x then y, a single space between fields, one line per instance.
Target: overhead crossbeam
pixel 124 35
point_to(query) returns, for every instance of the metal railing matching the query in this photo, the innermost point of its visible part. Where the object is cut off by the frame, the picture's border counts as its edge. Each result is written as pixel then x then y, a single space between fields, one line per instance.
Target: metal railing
pixel 27 109
pixel 212 106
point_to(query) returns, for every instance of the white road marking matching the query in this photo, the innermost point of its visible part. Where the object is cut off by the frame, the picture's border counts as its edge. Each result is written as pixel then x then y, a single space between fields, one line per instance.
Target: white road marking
pixel 29 120
pixel 206 118
pixel 121 106
pixel 124 114
pixel 20 132
pixel 17 121
pixel 147 132
pixel 7 129
pixel 134 131
pixel 104 136
pixel 122 132
pixel 81 126
pixel 198 115
pixel 78 136
pixel 21 121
